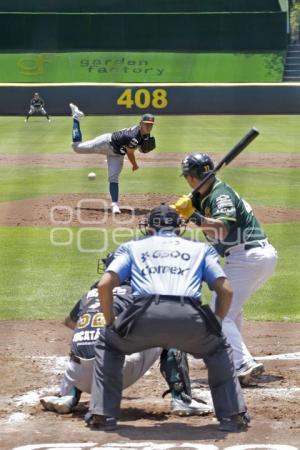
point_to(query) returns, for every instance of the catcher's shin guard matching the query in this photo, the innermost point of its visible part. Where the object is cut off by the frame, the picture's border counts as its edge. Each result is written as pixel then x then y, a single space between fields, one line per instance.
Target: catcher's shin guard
pixel 175 369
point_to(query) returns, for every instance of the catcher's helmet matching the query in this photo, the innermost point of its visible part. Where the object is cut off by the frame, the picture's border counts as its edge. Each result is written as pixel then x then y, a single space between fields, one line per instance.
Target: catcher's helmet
pixel 109 258
pixel 163 217
pixel 196 165
pixel 105 262
pixel 103 265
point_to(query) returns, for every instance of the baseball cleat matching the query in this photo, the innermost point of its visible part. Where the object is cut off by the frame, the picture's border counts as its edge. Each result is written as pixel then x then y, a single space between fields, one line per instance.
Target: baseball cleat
pixel 249 370
pixel 61 405
pixel 234 424
pixel 115 208
pixel 75 111
pixel 105 423
pixel 194 408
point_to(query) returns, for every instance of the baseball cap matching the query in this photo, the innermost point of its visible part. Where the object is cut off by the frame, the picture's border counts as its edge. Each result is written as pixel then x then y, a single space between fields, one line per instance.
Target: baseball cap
pixel 148 118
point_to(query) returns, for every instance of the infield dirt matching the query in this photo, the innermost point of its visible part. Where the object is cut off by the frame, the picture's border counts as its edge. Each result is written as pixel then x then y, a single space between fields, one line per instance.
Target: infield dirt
pixel 30 358
pixel 30 352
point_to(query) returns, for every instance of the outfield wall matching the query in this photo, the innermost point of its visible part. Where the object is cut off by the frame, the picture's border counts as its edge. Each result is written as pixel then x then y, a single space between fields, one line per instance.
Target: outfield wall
pixel 33 32
pixel 138 5
pixel 123 99
pixel 142 67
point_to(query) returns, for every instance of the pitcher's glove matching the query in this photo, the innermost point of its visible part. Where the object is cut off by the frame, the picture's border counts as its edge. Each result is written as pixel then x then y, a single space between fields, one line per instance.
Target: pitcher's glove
pixel 148 144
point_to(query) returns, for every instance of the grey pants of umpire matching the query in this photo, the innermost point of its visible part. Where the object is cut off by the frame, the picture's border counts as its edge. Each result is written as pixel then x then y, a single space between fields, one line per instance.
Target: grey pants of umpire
pixel 165 324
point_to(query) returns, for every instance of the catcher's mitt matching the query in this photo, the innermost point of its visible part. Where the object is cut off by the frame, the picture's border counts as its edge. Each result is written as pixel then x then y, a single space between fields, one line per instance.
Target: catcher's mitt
pixel 148 144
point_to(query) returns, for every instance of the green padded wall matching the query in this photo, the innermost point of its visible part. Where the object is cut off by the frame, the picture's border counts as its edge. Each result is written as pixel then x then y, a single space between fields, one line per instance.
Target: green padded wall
pixel 138 5
pixel 169 32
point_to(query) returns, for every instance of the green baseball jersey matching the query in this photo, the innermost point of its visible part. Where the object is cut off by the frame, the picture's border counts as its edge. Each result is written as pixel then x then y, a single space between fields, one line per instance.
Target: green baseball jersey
pixel 223 203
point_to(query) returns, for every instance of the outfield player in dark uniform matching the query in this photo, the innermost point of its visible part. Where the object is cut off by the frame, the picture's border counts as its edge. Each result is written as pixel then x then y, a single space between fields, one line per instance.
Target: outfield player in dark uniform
pixel 87 319
pixel 37 106
pixel 115 146
pixel 166 273
pixel 228 222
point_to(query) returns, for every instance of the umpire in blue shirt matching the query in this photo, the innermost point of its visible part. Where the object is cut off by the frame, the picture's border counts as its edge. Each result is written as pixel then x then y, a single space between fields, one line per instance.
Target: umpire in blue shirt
pixel 166 273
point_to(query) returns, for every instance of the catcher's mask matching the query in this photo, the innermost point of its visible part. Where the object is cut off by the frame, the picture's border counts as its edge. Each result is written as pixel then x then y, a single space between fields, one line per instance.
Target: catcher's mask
pixel 197 165
pixel 161 217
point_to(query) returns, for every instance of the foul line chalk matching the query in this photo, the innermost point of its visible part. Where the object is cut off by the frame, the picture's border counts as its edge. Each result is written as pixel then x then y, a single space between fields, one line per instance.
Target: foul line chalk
pixel 283 356
pixel 153 446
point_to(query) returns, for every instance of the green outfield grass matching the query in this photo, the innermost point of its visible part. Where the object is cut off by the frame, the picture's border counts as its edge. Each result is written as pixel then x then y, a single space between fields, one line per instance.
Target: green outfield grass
pixel 42 281
pixel 279 298
pixel 173 133
pixel 266 187
pixel 138 67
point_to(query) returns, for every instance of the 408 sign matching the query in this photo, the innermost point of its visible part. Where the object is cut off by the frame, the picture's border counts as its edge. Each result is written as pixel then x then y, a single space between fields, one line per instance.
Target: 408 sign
pixel 143 98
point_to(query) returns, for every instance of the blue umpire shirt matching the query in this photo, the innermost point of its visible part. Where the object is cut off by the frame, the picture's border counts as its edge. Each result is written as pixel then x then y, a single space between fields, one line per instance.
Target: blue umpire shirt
pixel 167 264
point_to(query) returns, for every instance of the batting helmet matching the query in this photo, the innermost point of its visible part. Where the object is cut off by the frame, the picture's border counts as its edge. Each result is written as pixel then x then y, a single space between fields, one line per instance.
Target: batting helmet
pixel 196 165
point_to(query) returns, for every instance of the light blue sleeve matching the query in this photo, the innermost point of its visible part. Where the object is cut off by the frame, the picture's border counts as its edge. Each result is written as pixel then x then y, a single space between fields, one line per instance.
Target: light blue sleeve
pixel 121 265
pixel 212 267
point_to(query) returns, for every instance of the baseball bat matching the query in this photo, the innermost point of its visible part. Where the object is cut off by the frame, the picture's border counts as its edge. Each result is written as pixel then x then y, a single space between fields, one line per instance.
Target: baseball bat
pixel 230 156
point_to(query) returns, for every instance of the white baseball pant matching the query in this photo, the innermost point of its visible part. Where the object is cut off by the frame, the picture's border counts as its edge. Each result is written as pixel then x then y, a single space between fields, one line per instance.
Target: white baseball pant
pixel 247 271
pixel 80 375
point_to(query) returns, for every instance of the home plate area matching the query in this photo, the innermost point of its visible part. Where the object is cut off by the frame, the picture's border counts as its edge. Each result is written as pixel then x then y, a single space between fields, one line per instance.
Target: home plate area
pixel 33 361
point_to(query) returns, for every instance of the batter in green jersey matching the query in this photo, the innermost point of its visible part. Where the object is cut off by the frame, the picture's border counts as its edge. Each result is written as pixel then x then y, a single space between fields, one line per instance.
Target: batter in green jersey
pixel 229 224
pixel 221 202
